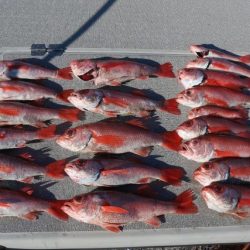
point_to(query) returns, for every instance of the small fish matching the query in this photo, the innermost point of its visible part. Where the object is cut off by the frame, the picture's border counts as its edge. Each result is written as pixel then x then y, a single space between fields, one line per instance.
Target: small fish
pixel 116 137
pixel 17 137
pixel 202 51
pixel 191 77
pixel 228 199
pixel 24 170
pixel 211 124
pixel 111 209
pixel 113 172
pixel 113 103
pixel 223 169
pixel 230 113
pixel 26 91
pixel 21 204
pixel 211 146
pixel 114 72
pixel 220 96
pixel 222 65
pixel 15 113
pixel 22 70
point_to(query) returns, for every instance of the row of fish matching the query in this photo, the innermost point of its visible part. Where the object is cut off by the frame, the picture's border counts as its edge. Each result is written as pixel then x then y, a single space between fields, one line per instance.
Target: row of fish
pixel 217 88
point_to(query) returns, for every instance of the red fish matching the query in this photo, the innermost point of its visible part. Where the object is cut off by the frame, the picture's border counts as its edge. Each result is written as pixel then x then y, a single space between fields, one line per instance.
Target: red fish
pixel 190 77
pixel 23 205
pixel 14 113
pixel 17 137
pixel 22 70
pixel 116 137
pixel 220 64
pixel 113 103
pixel 111 210
pixel 24 170
pixel 113 172
pixel 26 91
pixel 203 51
pixel 231 113
pixel 114 72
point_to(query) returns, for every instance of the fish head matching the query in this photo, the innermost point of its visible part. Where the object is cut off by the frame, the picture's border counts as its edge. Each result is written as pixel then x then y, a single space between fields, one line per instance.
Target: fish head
pixel 86 99
pixel 190 97
pixel 211 172
pixel 84 69
pixel 201 63
pixel 220 197
pixel 195 112
pixel 192 128
pixel 84 172
pixel 199 50
pixel 197 149
pixel 75 139
pixel 190 77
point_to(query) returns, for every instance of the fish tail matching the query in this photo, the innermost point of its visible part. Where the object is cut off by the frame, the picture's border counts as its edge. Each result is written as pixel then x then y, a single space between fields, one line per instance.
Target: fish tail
pixel 185 203
pixel 55 169
pixel 171 140
pixel 171 106
pixel 48 132
pixel 55 209
pixel 172 176
pixel 63 96
pixel 71 114
pixel 245 59
pixel 65 74
pixel 165 70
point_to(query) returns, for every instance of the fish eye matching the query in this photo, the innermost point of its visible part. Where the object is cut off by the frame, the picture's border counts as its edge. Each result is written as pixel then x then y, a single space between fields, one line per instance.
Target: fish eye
pixel 188 92
pixel 218 189
pixel 70 133
pixel 195 142
pixel 80 162
pixel 189 123
pixel 78 199
pixel 206 166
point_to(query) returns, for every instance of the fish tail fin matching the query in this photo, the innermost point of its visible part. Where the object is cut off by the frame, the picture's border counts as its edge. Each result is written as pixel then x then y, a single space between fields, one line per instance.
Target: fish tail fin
pixel 171 140
pixel 171 106
pixel 65 73
pixel 172 176
pixel 63 96
pixel 71 114
pixel 185 203
pixel 55 210
pixel 245 59
pixel 46 133
pixel 165 70
pixel 55 169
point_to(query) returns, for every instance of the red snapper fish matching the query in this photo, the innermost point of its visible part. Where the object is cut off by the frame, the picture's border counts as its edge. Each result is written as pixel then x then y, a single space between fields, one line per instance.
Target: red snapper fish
pixel 22 205
pixel 211 124
pixel 26 91
pixel 24 169
pixel 116 137
pixel 111 209
pixel 221 65
pixel 223 169
pixel 113 172
pixel 230 113
pixel 203 51
pixel 22 70
pixel 220 96
pixel 114 72
pixel 15 113
pixel 211 146
pixel 228 199
pixel 191 77
pixel 112 103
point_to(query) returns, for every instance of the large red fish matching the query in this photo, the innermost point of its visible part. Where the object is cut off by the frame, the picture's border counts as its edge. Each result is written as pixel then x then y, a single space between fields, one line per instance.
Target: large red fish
pixel 23 205
pixel 113 172
pixel 18 69
pixel 111 210
pixel 190 77
pixel 203 51
pixel 116 137
pixel 113 103
pixel 114 72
